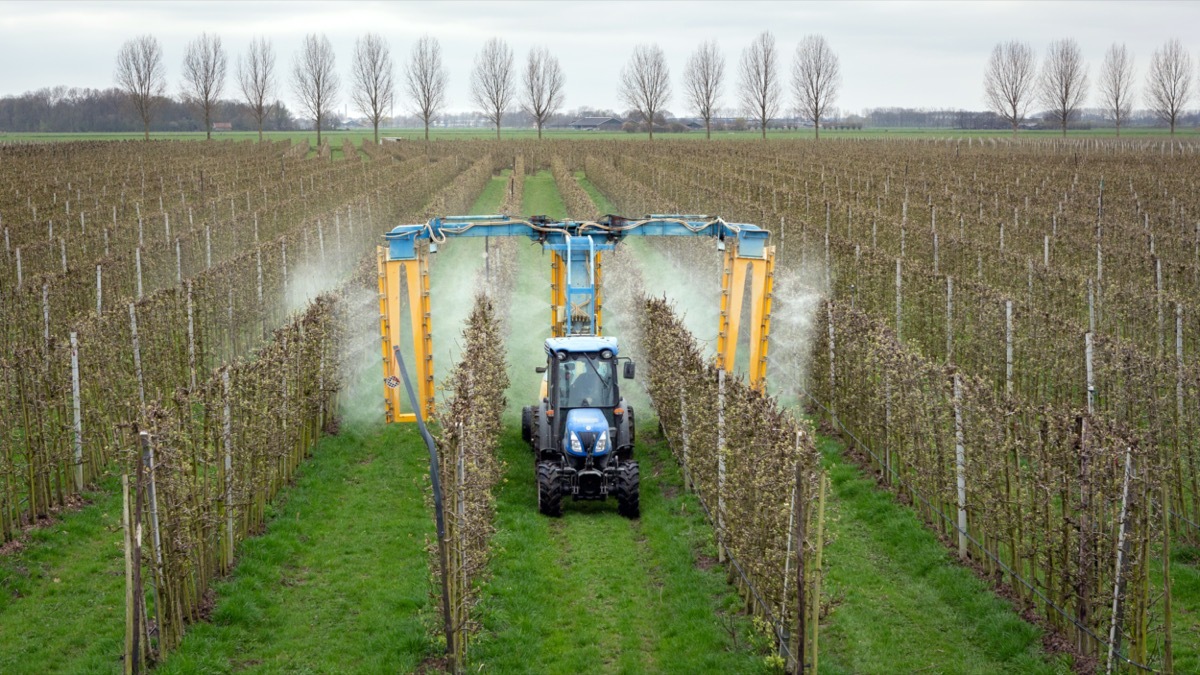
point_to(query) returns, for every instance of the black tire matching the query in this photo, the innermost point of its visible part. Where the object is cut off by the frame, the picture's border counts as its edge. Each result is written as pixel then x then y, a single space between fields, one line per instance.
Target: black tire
pixel 626 489
pixel 527 424
pixel 549 480
pixel 632 425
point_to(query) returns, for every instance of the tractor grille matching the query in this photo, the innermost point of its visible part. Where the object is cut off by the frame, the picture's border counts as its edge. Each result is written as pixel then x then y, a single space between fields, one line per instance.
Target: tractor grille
pixel 587 439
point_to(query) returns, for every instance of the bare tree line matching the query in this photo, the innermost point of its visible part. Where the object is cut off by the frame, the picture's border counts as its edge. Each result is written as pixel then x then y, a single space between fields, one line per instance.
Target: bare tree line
pixel 1011 85
pixel 1013 82
pixel 816 80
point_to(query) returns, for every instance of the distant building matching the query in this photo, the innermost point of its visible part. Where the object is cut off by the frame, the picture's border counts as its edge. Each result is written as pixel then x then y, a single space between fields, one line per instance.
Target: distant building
pixel 222 126
pixel 596 124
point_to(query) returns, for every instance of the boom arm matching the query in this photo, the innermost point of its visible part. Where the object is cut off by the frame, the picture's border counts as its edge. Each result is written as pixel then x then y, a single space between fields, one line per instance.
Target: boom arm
pixel 575 247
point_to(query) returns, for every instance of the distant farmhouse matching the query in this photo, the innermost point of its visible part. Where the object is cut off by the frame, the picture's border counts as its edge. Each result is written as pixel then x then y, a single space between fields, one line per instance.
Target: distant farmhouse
pixel 596 124
pixel 222 126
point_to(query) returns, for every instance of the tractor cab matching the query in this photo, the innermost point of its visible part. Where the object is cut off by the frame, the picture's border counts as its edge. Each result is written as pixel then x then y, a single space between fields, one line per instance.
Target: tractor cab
pixel 581 432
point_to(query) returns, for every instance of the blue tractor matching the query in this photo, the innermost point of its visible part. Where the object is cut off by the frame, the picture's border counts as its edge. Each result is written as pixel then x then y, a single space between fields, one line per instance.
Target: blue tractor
pixel 582 431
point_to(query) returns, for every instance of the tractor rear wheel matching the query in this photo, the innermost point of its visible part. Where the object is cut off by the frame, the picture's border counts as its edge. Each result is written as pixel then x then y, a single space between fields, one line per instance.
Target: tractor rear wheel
pixel 626 490
pixel 550 492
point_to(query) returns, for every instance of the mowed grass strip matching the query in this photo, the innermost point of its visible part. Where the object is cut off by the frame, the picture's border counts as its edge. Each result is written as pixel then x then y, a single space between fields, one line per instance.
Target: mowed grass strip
pixel 339 581
pixel 592 591
pixel 902 603
pixel 62 595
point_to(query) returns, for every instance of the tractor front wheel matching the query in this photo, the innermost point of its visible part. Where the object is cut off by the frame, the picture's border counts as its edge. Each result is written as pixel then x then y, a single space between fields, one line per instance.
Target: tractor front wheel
pixel 626 489
pixel 527 424
pixel 550 492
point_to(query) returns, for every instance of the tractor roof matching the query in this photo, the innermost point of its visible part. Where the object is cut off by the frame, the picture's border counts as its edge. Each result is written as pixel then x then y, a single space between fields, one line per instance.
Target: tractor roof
pixel 580 343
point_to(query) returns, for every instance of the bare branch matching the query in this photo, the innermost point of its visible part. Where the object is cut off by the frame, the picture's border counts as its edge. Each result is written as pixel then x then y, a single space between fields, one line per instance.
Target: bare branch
pixel 1064 81
pixel 1116 85
pixel 492 80
pixel 374 88
pixel 1169 82
pixel 816 79
pixel 426 80
pixel 702 80
pixel 256 78
pixel 314 79
pixel 204 65
pixel 142 75
pixel 759 86
pixel 543 86
pixel 646 83
pixel 1008 81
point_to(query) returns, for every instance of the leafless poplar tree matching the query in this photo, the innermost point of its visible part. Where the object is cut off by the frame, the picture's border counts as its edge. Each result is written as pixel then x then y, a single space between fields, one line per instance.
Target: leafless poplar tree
pixel 759 85
pixel 1064 81
pixel 492 80
pixel 646 83
pixel 816 79
pixel 373 78
pixel 142 75
pixel 1116 84
pixel 702 80
pixel 256 78
pixel 314 79
pixel 204 76
pixel 1169 82
pixel 426 80
pixel 543 94
pixel 1008 81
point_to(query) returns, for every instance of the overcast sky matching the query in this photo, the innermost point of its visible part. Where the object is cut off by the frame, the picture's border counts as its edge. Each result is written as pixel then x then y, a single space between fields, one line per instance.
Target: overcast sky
pixel 911 54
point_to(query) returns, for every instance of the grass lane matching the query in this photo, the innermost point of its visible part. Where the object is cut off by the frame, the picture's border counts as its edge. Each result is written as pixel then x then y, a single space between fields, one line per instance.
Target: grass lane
pixel 903 604
pixel 339 580
pixel 62 596
pixel 592 591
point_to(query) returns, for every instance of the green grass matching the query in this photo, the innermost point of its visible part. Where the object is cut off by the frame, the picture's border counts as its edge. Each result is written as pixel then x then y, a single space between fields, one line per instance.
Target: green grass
pixel 339 579
pixel 62 598
pixel 341 576
pixel 1185 607
pixel 592 591
pixel 903 605
pixel 541 197
pixel 602 203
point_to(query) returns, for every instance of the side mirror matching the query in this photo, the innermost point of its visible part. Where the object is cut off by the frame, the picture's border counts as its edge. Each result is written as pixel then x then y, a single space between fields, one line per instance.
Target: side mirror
pixel 540 369
pixel 629 370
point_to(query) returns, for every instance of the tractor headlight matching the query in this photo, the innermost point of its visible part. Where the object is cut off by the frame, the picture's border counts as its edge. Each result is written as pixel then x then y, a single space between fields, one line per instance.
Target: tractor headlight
pixel 601 443
pixel 576 446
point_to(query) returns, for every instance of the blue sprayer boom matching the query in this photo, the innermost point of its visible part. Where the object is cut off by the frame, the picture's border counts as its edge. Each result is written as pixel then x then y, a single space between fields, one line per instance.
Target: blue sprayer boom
pixel 581 431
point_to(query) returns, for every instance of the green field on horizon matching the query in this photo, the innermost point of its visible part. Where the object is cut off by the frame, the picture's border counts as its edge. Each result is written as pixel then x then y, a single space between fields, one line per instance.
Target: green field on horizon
pixel 408 134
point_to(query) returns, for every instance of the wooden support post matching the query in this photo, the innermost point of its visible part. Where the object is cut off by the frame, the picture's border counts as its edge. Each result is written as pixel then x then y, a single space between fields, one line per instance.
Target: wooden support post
pixel 137 354
pixel 797 533
pixel 77 409
pixel 960 468
pixel 818 573
pixel 132 653
pixel 227 434
pixel 721 465
pixel 191 334
pixel 1114 632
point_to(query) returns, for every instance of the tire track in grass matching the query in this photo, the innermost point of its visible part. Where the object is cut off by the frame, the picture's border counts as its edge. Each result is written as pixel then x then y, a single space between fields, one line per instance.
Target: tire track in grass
pixel 592 591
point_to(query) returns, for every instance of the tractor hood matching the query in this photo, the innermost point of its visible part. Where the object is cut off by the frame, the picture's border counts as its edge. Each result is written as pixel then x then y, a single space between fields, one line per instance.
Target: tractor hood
pixel 586 432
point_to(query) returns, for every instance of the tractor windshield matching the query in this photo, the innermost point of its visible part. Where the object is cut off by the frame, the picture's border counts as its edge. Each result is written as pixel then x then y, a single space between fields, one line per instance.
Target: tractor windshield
pixel 586 381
